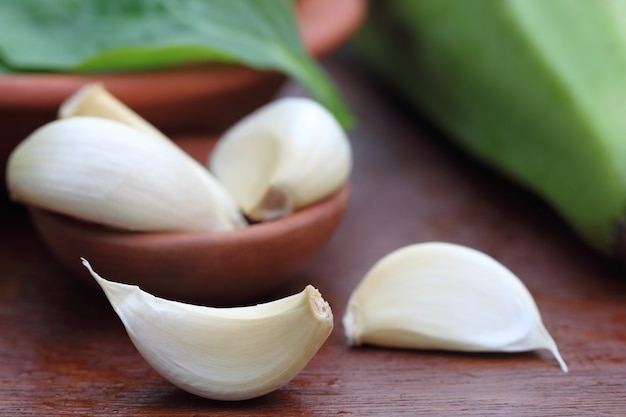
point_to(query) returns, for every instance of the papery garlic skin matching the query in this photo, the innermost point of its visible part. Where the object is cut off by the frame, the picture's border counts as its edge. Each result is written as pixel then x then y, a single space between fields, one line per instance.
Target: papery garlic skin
pixel 112 174
pixel 444 296
pixel 223 353
pixel 286 155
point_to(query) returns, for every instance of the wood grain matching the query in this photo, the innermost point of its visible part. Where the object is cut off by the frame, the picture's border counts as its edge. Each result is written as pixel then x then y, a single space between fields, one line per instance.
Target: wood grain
pixel 65 353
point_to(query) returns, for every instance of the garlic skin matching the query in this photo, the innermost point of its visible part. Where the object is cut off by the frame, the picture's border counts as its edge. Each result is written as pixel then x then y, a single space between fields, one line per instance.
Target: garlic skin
pixel 445 296
pixel 230 354
pixel 286 155
pixel 112 174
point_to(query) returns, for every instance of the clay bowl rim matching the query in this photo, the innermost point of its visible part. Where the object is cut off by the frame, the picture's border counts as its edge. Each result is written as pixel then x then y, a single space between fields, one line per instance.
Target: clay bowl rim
pixel 202 286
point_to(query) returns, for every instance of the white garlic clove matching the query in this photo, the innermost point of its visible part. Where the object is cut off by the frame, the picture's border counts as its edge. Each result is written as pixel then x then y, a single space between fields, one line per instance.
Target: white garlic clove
pixel 94 100
pixel 109 173
pixel 223 353
pixel 444 296
pixel 284 156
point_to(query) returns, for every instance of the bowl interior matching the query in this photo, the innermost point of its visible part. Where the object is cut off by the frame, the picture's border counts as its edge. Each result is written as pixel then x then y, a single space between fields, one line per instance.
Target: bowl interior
pixel 220 268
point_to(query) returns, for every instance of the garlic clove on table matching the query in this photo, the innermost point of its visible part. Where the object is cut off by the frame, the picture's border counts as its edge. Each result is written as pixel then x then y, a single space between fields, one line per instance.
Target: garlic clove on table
pixel 223 353
pixel 444 296
pixel 286 155
pixel 109 173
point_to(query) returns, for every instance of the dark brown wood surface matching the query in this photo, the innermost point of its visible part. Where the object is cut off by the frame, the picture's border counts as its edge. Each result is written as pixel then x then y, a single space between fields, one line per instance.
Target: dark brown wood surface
pixel 63 350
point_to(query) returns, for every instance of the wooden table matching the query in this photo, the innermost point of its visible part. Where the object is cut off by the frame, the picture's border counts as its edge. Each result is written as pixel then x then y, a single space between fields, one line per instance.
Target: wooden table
pixel 64 351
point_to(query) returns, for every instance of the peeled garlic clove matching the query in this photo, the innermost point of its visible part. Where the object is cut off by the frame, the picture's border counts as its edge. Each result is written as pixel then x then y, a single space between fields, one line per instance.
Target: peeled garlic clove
pixel 96 101
pixel 284 156
pixel 223 353
pixel 445 296
pixel 109 173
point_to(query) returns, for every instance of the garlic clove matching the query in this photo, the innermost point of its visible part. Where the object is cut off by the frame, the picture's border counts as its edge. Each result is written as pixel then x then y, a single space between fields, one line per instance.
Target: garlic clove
pixel 444 296
pixel 109 173
pixel 284 156
pixel 223 353
pixel 96 101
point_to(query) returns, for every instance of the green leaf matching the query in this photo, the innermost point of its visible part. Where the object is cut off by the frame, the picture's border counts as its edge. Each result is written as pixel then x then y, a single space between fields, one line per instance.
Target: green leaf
pixel 106 35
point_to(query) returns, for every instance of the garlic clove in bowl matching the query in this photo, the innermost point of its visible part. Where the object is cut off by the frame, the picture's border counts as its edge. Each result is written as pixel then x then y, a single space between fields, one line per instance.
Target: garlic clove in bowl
pixel 109 173
pixel 284 156
pixel 94 100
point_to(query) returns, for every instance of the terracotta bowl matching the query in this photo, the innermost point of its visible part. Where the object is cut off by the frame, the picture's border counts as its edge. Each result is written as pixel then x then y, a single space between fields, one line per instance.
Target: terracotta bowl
pixel 221 268
pixel 201 98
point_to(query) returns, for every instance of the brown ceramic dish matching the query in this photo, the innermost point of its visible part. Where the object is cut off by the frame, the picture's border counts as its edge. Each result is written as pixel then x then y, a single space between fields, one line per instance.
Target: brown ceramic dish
pixel 221 268
pixel 203 98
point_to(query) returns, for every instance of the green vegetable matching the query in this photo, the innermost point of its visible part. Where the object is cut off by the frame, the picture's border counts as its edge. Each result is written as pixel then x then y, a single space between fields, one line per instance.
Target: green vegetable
pixel 535 88
pixel 109 35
